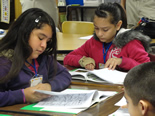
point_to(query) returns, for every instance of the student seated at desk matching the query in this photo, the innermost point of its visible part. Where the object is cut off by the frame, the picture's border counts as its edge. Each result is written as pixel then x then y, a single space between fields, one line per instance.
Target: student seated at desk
pixel 140 90
pixel 28 60
pixel 112 46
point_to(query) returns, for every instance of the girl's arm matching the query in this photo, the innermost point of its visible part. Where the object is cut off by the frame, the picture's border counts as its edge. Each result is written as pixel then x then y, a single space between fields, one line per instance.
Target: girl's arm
pixel 135 54
pixel 73 58
pixel 11 97
pixel 62 79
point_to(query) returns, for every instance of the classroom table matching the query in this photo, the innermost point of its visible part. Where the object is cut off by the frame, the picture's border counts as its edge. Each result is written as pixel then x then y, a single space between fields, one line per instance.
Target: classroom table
pixel 101 109
pixel 69 42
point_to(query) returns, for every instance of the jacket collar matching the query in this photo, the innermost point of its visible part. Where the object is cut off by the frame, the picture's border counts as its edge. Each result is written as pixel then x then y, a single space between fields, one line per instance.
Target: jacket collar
pixel 124 36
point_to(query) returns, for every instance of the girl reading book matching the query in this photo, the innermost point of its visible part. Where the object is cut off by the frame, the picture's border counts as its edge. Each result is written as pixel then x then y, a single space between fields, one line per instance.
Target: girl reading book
pixel 112 46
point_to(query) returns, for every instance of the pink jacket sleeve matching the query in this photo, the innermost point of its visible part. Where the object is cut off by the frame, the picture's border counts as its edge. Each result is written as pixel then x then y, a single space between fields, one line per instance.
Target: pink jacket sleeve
pixel 73 57
pixel 133 54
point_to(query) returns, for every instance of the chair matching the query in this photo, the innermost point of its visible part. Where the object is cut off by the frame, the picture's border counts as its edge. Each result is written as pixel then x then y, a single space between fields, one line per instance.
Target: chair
pixel 77 27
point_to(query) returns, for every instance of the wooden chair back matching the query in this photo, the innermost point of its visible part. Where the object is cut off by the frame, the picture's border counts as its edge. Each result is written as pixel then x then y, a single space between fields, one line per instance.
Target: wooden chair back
pixel 78 27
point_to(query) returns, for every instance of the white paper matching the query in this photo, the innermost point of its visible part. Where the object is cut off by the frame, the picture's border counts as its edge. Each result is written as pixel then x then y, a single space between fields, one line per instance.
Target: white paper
pixel 86 37
pixel 63 110
pixel 121 112
pixel 122 102
pixel 71 98
pixel 68 99
pixel 112 76
pixel 73 109
pixel 103 75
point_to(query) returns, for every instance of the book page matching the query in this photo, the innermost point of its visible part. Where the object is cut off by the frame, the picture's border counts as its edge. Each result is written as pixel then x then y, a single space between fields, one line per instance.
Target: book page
pixel 111 76
pixel 94 78
pixel 63 110
pixel 98 96
pixel 80 74
pixel 68 99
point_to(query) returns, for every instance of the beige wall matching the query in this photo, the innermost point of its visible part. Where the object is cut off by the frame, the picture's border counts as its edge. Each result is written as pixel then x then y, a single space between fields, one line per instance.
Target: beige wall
pixel 18 8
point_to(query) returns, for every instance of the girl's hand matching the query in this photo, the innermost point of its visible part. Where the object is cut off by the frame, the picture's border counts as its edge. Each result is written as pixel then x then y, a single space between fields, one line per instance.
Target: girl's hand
pixel 90 66
pixel 31 96
pixel 112 63
pixel 43 86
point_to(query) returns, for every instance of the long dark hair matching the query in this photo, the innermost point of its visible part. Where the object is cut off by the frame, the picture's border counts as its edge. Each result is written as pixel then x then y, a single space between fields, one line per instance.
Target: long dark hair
pixel 18 36
pixel 112 10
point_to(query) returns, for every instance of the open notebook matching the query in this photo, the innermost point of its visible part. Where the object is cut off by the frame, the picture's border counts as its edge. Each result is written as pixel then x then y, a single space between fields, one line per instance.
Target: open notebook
pixel 99 75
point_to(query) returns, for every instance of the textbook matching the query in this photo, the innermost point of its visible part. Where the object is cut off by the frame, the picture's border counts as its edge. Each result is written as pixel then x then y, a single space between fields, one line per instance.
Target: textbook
pixel 99 75
pixel 72 100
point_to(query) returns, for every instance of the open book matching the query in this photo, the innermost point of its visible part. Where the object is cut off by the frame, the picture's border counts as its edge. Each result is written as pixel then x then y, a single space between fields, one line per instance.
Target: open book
pixel 99 75
pixel 72 99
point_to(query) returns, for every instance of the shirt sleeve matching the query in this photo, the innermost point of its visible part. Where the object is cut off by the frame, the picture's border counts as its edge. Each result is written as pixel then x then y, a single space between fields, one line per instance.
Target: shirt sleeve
pixel 8 96
pixel 11 97
pixel 134 55
pixel 61 80
pixel 72 59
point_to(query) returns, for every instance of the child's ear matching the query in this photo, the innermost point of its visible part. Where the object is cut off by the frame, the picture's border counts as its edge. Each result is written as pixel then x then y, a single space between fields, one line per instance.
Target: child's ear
pixel 119 24
pixel 144 107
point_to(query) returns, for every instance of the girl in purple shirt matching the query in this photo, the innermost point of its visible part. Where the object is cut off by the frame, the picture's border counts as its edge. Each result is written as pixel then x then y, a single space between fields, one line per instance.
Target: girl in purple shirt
pixel 28 60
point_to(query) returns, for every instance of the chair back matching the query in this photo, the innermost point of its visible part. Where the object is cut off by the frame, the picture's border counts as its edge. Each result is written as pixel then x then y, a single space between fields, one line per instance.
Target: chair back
pixel 78 27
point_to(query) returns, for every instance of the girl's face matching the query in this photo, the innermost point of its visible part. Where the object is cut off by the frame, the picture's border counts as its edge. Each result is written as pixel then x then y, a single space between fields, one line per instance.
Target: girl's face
pixel 38 40
pixel 104 30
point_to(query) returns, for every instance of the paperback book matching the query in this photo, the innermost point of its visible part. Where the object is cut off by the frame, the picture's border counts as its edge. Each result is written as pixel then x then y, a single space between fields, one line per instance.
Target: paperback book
pixel 99 75
pixel 72 100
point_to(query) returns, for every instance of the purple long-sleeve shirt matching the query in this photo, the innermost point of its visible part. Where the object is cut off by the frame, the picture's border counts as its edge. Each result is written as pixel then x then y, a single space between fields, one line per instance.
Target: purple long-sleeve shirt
pixel 11 92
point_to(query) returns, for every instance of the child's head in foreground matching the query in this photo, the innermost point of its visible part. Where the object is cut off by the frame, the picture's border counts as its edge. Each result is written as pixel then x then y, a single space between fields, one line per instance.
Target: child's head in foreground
pixel 140 90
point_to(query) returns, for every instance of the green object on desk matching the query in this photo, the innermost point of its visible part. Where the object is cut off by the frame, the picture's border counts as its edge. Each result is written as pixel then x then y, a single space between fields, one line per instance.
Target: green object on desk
pixel 30 107
pixel 5 115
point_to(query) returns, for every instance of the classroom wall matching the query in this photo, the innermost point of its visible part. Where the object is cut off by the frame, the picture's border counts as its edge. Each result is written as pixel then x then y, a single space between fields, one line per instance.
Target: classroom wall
pixel 12 16
pixel 18 8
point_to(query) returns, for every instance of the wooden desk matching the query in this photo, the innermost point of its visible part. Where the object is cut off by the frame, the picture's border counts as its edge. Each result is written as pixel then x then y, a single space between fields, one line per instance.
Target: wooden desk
pixel 69 42
pixel 102 109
